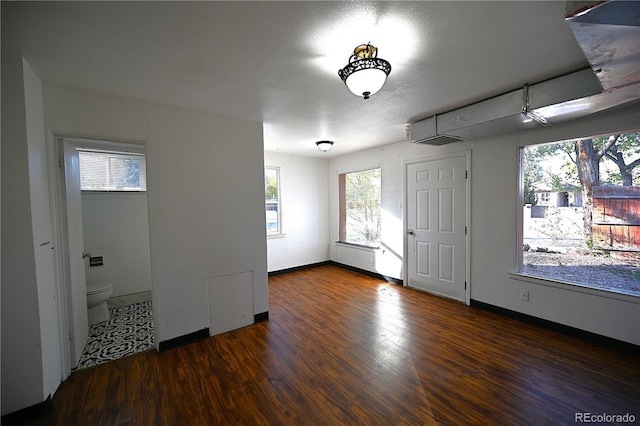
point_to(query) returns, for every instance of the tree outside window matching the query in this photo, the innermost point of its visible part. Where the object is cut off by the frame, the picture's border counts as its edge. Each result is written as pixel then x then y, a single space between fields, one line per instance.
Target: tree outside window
pixel 581 213
pixel 360 213
pixel 124 172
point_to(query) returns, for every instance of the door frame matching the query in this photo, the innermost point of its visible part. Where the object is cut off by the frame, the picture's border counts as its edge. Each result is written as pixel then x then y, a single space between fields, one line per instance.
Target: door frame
pixel 57 183
pixel 60 237
pixel 437 157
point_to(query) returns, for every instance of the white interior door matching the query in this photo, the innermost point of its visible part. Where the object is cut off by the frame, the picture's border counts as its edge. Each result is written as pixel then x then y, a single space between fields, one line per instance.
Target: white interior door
pixel 436 226
pixel 77 284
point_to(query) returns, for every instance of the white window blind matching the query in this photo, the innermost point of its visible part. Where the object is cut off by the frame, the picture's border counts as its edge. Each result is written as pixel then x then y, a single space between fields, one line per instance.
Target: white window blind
pixel 111 171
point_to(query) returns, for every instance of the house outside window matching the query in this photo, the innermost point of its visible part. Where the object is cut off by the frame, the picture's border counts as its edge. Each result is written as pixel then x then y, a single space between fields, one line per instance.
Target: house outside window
pixel 360 212
pixel 272 200
pixel 544 199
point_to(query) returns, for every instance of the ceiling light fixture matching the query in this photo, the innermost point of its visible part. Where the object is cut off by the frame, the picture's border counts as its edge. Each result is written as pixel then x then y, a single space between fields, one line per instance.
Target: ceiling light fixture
pixel 324 145
pixel 365 73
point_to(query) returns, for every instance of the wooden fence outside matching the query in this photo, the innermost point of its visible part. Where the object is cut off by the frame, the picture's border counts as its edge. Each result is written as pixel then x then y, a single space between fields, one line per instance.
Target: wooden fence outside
pixel 616 219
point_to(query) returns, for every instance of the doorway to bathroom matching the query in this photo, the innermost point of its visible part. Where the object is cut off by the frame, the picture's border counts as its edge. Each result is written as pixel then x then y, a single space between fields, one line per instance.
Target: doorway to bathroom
pixel 106 262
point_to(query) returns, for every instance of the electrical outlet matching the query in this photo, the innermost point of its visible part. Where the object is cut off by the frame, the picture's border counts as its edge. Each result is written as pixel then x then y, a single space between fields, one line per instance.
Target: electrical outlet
pixel 524 295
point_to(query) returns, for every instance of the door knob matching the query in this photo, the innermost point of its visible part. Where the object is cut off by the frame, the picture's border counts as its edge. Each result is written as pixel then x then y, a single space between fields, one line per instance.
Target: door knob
pixel 410 232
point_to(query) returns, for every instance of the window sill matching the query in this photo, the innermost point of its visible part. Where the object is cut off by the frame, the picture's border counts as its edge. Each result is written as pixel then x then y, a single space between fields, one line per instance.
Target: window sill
pixel 358 246
pixel 111 191
pixel 578 288
pixel 274 236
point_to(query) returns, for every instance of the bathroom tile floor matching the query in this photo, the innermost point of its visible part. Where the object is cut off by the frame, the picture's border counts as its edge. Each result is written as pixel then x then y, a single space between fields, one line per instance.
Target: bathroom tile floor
pixel 129 299
pixel 128 331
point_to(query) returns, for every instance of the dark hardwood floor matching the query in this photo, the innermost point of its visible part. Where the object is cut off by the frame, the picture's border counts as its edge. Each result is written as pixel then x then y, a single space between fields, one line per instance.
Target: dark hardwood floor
pixel 345 348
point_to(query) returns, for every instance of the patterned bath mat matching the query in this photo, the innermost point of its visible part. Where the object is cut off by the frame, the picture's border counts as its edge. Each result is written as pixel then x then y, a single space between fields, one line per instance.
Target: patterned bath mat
pixel 128 331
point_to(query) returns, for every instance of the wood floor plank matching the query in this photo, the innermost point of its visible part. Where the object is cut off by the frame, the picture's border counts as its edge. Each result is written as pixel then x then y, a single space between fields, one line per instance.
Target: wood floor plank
pixel 345 348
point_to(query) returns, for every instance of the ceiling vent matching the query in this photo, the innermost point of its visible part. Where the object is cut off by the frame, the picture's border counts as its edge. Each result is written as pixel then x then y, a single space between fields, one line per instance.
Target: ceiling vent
pixel 426 132
pixel 438 140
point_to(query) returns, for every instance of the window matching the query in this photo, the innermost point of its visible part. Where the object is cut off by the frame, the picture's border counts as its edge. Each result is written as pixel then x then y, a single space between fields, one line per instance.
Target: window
pixel 580 213
pixel 272 200
pixel 111 171
pixel 360 215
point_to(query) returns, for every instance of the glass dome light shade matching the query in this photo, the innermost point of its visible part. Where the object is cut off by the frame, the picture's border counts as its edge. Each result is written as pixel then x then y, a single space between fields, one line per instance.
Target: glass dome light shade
pixel 366 82
pixel 324 145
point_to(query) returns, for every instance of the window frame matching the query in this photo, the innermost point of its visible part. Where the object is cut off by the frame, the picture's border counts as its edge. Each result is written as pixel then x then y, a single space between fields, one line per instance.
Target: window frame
pixel 277 202
pixel 519 271
pixel 342 208
pixel 109 154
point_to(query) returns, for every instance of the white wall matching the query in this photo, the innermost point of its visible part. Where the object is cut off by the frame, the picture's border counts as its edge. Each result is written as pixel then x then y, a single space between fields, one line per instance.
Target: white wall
pixel 388 260
pixel 21 355
pixel 205 178
pixel 494 245
pixel 116 227
pixel 493 230
pixel 305 213
pixel 42 234
pixel 31 368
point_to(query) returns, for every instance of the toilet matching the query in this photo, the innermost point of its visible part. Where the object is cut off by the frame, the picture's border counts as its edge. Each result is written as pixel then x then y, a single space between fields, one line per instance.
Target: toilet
pixel 97 296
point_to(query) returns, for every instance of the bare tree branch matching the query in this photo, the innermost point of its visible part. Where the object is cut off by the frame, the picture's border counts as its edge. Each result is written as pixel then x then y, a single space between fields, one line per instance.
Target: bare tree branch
pixel 569 151
pixel 610 142
pixel 633 164
pixel 615 156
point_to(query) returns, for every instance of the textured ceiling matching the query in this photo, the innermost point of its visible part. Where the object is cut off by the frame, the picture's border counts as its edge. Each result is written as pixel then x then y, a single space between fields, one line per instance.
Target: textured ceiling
pixel 277 62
